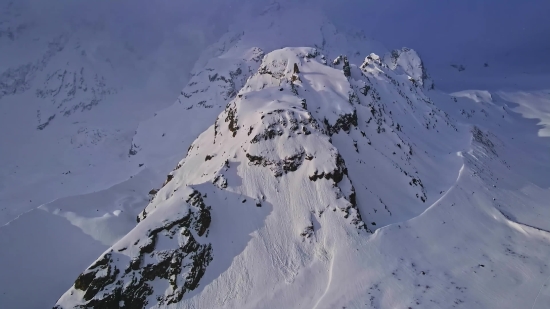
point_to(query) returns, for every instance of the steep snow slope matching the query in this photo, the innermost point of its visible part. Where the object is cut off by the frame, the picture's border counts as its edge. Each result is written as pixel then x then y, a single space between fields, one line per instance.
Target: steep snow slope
pixel 88 153
pixel 366 139
pixel 275 204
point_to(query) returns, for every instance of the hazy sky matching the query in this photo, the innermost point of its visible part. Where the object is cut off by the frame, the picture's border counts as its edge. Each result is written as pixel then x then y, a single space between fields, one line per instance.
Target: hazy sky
pixel 511 32
pixel 459 29
pixel 489 25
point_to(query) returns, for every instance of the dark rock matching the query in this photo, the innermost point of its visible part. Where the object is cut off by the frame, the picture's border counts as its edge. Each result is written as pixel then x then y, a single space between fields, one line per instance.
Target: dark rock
pixel 231 111
pixel 133 150
pixel 169 178
pixel 346 68
pixel 344 123
pixel 133 287
pixel 296 70
pixel 308 231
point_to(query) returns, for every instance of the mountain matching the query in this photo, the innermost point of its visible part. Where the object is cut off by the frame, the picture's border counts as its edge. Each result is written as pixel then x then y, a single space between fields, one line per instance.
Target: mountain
pixel 303 165
pixel 329 176
pixel 74 85
pixel 75 82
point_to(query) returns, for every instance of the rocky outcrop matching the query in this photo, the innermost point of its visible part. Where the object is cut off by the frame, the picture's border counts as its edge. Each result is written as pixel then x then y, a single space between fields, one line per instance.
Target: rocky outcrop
pixel 116 280
pixel 278 167
pixel 344 123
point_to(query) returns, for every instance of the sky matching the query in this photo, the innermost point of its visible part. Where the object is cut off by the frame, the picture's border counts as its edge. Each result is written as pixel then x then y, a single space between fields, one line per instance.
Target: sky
pixel 457 29
pixel 512 36
pixel 512 33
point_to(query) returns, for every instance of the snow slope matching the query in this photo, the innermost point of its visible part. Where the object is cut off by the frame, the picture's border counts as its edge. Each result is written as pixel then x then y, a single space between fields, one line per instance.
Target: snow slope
pixel 75 82
pixel 334 185
pixel 333 181
pixel 54 242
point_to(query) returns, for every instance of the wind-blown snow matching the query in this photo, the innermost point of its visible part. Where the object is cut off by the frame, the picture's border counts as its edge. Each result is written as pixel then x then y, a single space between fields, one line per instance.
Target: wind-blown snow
pixel 532 105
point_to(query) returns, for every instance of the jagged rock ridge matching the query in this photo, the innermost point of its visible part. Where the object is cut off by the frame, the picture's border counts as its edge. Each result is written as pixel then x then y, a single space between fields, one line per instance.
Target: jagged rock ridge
pixel 283 125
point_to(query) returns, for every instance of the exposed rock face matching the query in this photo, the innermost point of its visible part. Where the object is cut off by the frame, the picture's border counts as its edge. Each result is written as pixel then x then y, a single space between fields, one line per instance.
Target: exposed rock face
pixel 343 123
pixel 118 278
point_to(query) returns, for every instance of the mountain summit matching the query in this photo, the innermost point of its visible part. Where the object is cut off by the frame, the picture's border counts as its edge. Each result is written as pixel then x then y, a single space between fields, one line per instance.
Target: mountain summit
pixel 325 176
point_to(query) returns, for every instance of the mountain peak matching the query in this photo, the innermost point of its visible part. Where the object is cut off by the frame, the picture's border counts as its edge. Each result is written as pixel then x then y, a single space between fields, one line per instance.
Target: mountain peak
pixel 298 121
pixel 408 61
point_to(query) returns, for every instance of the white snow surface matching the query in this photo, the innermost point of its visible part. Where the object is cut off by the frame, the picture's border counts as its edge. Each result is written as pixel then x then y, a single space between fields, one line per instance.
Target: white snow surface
pixel 325 189
pixel 411 221
pixel 533 105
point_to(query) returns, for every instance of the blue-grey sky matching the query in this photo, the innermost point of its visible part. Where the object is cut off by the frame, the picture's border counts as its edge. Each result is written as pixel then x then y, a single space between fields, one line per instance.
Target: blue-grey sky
pixel 459 29
pixel 511 32
pixel 512 36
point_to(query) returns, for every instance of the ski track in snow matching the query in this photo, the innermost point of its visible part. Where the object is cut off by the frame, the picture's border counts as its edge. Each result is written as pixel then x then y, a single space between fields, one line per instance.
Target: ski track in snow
pixel 329 281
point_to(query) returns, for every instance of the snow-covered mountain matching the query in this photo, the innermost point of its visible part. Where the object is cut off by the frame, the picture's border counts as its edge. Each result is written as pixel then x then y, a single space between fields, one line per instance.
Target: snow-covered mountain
pixel 74 84
pixel 329 176
pixel 76 80
pixel 301 166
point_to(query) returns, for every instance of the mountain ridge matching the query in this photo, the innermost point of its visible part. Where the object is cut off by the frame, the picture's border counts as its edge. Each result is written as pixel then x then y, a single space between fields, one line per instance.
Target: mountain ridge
pixel 271 128
pixel 326 176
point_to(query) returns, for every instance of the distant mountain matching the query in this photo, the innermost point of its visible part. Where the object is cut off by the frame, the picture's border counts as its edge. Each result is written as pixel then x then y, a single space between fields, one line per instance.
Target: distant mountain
pixel 74 87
